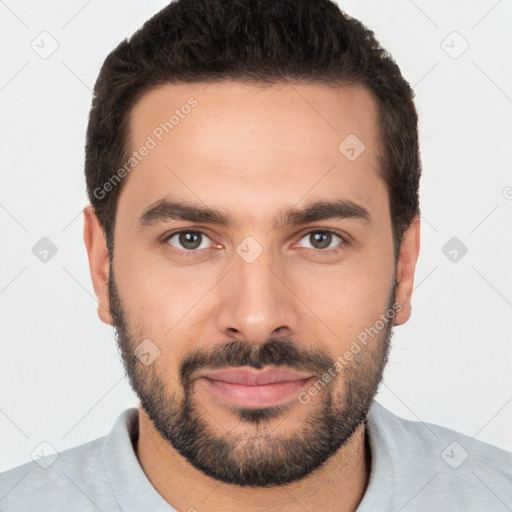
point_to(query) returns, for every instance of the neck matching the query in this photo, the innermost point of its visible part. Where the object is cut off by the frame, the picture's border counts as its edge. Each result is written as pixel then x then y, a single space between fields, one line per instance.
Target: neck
pixel 338 485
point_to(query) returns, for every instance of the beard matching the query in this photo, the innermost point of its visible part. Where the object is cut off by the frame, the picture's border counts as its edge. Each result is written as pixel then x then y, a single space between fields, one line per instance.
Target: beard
pixel 261 458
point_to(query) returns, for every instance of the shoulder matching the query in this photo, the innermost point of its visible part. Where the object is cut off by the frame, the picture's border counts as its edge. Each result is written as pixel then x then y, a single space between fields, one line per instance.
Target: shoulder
pixel 440 463
pixel 456 447
pixel 74 479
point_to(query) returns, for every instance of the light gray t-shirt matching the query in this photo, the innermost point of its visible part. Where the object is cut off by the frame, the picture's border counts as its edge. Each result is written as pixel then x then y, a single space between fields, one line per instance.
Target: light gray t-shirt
pixel 415 467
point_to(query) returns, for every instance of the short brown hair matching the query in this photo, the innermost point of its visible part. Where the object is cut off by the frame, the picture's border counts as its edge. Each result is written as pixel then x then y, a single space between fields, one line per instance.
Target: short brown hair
pixel 255 42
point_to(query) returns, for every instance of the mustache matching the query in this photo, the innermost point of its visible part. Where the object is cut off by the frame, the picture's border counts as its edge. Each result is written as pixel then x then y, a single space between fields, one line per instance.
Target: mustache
pixel 274 352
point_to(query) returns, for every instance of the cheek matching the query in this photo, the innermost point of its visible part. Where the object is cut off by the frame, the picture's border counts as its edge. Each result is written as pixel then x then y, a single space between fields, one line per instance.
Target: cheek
pixel 158 299
pixel 348 297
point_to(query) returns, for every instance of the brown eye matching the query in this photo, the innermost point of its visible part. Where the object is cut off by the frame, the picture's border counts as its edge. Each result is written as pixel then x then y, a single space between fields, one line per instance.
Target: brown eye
pixel 321 240
pixel 188 240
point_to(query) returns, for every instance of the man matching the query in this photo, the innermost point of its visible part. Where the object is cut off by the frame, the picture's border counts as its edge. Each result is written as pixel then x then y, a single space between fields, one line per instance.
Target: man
pixel 253 172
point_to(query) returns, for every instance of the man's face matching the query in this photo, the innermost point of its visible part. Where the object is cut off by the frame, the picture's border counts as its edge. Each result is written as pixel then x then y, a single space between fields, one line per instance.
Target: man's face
pixel 260 291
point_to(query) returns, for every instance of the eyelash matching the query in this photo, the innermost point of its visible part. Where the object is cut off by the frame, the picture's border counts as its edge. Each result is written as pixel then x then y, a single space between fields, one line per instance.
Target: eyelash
pixel 195 252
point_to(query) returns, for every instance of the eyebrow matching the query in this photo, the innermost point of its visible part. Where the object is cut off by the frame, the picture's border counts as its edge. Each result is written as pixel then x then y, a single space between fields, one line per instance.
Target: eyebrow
pixel 164 210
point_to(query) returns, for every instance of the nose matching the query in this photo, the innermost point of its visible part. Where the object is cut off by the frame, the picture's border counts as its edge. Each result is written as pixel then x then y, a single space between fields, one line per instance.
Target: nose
pixel 257 302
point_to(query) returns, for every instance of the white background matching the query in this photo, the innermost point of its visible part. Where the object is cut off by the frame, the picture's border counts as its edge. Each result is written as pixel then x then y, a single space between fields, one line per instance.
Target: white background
pixel 61 379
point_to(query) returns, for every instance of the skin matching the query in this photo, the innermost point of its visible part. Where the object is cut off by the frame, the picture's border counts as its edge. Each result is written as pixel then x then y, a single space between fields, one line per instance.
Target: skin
pixel 253 153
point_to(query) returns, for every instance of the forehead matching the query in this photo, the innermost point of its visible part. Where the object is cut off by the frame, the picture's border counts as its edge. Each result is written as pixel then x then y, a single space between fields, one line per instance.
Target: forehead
pixel 254 146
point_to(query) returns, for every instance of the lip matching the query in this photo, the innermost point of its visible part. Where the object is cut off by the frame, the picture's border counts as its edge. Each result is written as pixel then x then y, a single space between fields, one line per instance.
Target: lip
pixel 252 388
pixel 255 377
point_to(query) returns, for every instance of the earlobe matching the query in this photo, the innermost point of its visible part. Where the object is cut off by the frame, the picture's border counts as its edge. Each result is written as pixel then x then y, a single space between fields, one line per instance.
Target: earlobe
pixel 409 252
pixel 97 253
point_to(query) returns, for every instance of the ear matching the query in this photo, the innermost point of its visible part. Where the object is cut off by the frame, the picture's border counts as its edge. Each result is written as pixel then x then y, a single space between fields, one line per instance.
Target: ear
pixel 98 262
pixel 409 251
